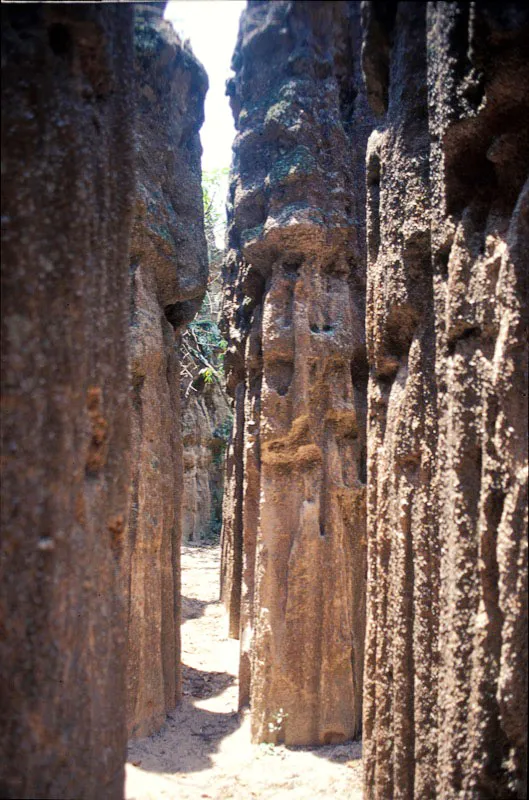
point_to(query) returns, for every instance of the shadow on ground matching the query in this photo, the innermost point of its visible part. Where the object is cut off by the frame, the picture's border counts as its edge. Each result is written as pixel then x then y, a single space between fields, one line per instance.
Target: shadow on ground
pixel 190 735
pixel 344 752
pixel 192 608
pixel 184 749
pixel 198 683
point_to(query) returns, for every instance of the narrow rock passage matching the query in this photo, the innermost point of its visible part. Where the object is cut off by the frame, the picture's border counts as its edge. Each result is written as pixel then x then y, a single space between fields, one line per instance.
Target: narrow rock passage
pixel 204 750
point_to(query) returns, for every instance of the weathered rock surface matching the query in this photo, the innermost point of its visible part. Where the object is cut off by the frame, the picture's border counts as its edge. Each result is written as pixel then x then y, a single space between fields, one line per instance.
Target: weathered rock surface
pixel 205 431
pixel 67 193
pixel 448 233
pixel 443 183
pixel 293 572
pixel 168 264
pixel 446 206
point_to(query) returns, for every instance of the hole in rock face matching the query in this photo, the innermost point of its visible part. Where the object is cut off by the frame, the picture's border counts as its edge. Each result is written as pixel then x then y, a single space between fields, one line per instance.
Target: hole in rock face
pixel 348 95
pixel 314 328
pixel 360 369
pixel 469 333
pixel 179 314
pixel 292 263
pixel 334 737
pixel 60 40
pixel 400 328
pixel 279 376
pixel 442 260
pixel 373 207
pixel 322 530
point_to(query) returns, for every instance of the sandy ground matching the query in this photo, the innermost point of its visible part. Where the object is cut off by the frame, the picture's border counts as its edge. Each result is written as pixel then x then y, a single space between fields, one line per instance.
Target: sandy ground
pixel 204 750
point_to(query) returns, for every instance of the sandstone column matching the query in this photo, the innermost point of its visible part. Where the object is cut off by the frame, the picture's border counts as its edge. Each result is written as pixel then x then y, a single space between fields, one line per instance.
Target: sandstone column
pixel 479 122
pixel 446 650
pixel 293 540
pixel 67 193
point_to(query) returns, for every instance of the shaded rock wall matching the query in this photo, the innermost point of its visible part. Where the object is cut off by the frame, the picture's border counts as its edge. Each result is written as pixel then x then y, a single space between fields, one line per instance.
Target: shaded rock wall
pixel 205 431
pixel 67 193
pixel 168 265
pixel 446 651
pixel 293 561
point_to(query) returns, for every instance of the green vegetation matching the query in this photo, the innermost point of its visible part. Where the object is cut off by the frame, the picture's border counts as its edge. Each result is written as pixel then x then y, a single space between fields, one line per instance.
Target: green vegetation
pixel 203 350
pixel 221 438
pixel 203 346
pixel 214 192
pixel 212 534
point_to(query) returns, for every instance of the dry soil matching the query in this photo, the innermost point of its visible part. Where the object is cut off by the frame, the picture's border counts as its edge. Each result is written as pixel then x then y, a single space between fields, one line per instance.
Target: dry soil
pixel 204 750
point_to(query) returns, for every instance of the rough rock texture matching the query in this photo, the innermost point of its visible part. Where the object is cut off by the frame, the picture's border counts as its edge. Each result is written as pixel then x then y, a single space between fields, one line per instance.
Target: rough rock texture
pixel 205 430
pixel 293 571
pixel 168 264
pixel 448 233
pixel 67 184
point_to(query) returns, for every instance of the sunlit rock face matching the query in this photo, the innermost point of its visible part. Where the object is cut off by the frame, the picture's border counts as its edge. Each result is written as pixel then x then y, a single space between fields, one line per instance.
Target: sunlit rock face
pixel 293 571
pixel 445 163
pixel 168 266
pixel 67 196
pixel 446 651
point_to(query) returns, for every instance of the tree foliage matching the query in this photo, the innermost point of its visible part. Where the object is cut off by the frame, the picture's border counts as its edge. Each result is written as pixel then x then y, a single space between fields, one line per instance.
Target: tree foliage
pixel 203 346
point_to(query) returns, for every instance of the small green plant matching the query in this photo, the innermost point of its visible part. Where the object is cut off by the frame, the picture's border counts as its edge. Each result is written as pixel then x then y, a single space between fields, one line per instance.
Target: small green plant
pixel 267 748
pixel 207 374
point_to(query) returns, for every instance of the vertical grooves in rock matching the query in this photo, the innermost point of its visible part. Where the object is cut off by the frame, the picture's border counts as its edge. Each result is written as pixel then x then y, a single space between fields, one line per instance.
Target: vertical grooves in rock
pixel 169 260
pixel 414 216
pixel 446 322
pixel 67 191
pixel 293 578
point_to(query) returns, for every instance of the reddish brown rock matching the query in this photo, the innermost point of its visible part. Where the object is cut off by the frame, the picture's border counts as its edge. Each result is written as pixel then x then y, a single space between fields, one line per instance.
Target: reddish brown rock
pixel 293 539
pixel 169 271
pixel 67 193
pixel 446 651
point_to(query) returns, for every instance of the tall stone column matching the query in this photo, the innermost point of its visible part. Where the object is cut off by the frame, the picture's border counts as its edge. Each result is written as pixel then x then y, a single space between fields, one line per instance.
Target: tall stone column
pixel 67 196
pixel 446 648
pixel 295 326
pixel 168 265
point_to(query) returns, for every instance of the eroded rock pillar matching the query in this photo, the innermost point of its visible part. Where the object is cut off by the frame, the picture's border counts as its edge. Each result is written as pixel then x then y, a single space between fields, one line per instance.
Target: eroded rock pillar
pixel 446 648
pixel 67 195
pixel 297 366
pixel 168 265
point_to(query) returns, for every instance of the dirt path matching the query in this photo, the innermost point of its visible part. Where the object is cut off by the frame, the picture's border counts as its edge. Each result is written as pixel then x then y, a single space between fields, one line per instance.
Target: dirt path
pixel 204 750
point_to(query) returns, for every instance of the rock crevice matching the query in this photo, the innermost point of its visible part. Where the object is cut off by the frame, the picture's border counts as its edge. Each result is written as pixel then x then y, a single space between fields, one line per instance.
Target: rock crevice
pixel 168 265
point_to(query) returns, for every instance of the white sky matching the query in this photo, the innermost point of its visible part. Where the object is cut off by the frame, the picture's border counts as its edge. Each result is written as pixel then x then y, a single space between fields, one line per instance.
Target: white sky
pixel 211 26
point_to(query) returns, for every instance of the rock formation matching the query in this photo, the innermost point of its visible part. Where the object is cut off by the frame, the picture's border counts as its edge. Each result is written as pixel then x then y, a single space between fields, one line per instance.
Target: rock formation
pixel 205 431
pixel 448 232
pixel 411 213
pixel 67 194
pixel 293 572
pixel 447 224
pixel 168 265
